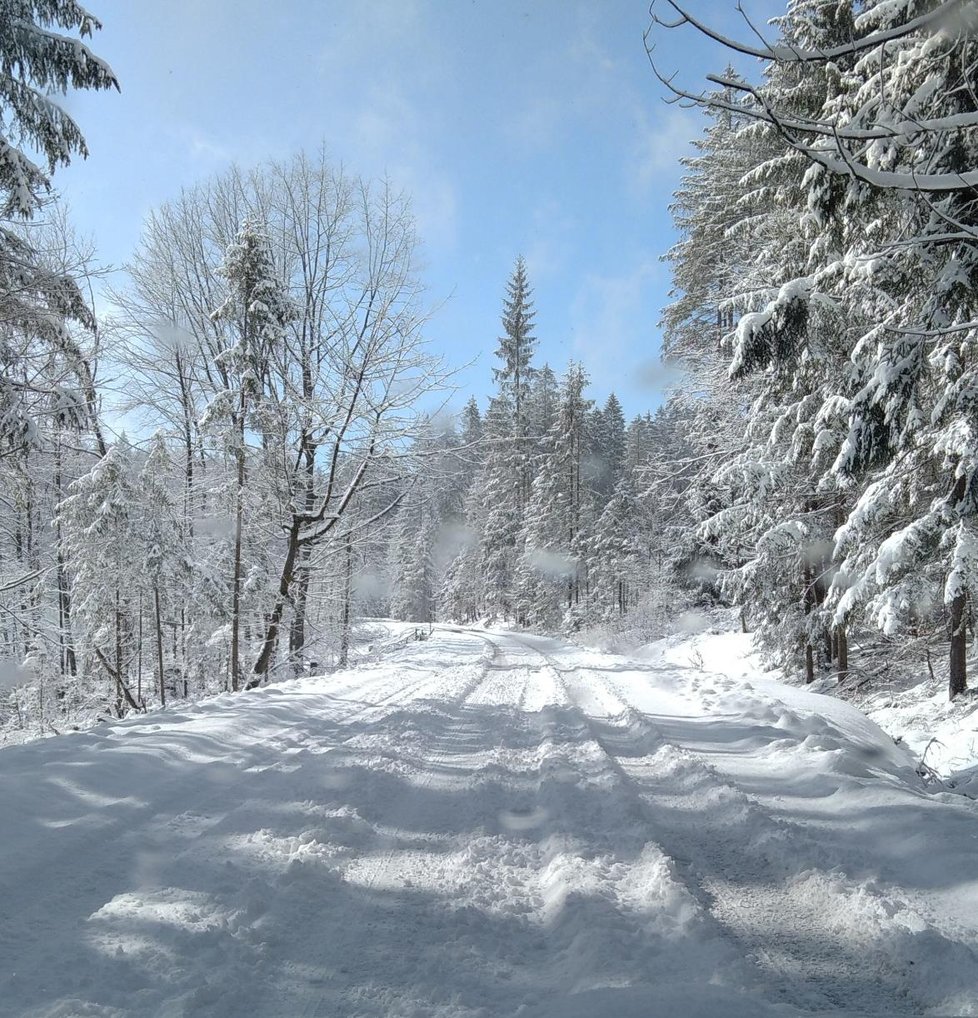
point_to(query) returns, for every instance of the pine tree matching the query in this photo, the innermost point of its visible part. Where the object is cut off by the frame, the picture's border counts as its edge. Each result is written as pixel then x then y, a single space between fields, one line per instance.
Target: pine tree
pixel 260 308
pixel 543 408
pixel 98 522
pixel 462 596
pixel 854 302
pixel 515 378
pixel 41 358
pixel 617 558
pixel 166 573
pixel 550 578
pixel 416 583
pixel 638 447
pixel 472 451
pixel 38 62
pixel 609 447
pixel 471 423
pixel 547 566
pixel 499 489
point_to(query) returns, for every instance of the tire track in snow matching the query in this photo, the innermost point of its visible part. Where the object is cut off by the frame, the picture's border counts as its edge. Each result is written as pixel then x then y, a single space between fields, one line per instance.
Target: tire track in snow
pixel 125 844
pixel 788 920
pixel 605 850
pixel 536 841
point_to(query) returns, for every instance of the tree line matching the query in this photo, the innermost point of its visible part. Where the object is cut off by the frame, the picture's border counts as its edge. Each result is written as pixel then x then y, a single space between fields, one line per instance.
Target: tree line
pixel 530 511
pixel 825 304
pixel 267 336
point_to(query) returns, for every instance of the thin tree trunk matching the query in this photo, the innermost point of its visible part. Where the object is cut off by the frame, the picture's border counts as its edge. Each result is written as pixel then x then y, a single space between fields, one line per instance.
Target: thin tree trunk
pixel 958 620
pixel 347 597
pixel 841 653
pixel 186 406
pixel 958 628
pixel 275 620
pixel 238 520
pixel 120 685
pixel 297 631
pixel 118 657
pixel 809 597
pixel 159 645
pixel 69 664
pixel 139 653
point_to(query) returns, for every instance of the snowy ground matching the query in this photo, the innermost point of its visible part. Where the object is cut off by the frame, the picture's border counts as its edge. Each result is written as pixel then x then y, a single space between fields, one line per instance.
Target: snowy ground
pixel 941 734
pixel 489 824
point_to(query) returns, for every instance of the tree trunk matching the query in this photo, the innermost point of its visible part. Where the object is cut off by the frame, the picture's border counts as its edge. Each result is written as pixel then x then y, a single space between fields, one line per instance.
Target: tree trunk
pixel 159 644
pixel 139 653
pixel 347 596
pixel 841 653
pixel 809 602
pixel 118 657
pixel 69 664
pixel 187 409
pixel 238 520
pixel 297 631
pixel 275 619
pixel 958 628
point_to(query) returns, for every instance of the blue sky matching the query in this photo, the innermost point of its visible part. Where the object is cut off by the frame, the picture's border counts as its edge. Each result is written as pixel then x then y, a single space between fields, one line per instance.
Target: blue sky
pixel 518 126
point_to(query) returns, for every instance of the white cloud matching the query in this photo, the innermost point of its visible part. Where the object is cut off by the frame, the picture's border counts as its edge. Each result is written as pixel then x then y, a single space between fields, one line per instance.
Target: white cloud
pixel 387 136
pixel 611 318
pixel 594 81
pixel 550 240
pixel 379 121
pixel 538 124
pixel 663 136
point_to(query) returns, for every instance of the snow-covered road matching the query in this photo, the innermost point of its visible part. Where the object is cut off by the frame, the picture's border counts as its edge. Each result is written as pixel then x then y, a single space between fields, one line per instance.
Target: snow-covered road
pixel 488 824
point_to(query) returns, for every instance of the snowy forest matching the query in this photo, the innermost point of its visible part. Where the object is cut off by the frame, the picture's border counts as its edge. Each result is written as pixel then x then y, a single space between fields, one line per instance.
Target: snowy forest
pixel 295 468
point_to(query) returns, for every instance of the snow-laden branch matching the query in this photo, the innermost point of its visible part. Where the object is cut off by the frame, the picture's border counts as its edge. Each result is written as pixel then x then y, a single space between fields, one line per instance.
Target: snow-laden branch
pixel 793 54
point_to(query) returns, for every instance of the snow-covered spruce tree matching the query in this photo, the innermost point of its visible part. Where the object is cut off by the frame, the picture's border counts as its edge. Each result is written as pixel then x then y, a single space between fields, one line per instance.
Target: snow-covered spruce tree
pixel 428 530
pixel 551 576
pixel 460 595
pixel 618 575
pixel 415 566
pixel 609 448
pixel 504 482
pixel 36 63
pixel 546 564
pixel 723 269
pixel 166 576
pixel 720 270
pixel 470 438
pixel 98 520
pixel 665 480
pixel 638 447
pixel 721 228
pixel 909 544
pixel 38 306
pixel 515 377
pixel 791 342
pixel 544 396
pixel 889 147
pixel 499 486
pixel 260 308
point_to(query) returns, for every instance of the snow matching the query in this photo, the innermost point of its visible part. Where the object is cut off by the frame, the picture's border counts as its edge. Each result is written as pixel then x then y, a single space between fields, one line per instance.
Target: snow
pixel 488 823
